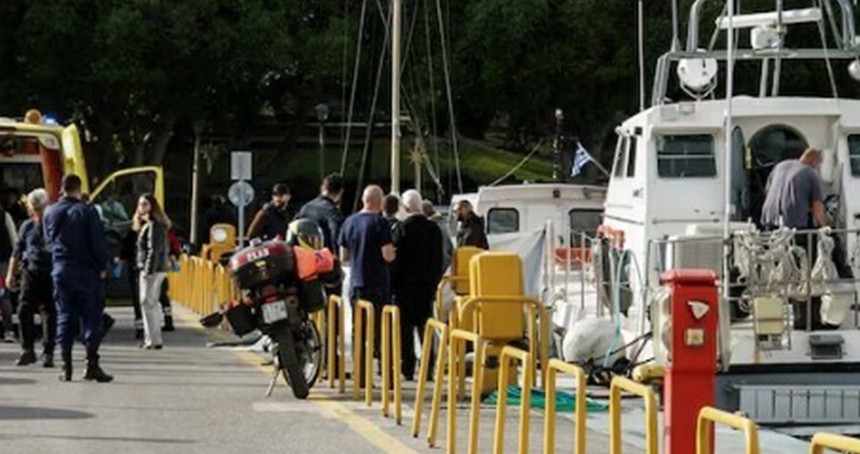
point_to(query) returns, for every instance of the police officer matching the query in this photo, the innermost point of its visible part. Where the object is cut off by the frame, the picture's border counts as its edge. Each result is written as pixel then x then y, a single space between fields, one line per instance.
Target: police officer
pixel 79 259
pixel 271 222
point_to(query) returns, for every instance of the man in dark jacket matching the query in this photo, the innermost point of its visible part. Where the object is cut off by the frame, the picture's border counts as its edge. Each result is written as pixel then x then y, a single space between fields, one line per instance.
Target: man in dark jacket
pixel 325 210
pixel 418 241
pixel 271 222
pixel 75 237
pixel 471 230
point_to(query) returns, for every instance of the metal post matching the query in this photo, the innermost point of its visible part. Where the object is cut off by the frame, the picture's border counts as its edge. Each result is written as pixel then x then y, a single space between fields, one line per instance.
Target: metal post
pixel 195 180
pixel 556 149
pixel 724 308
pixel 641 45
pixel 241 209
pixel 322 111
pixel 397 20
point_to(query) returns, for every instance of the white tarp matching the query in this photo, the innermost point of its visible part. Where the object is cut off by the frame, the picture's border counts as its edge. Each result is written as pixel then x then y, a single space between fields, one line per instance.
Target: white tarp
pixel 530 246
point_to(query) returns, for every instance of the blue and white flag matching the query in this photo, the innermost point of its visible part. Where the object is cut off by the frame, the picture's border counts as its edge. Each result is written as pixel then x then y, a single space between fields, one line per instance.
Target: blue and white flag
pixel 580 159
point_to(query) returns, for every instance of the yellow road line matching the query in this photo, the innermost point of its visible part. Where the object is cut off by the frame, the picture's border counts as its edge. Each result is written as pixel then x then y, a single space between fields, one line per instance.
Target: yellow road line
pixel 363 427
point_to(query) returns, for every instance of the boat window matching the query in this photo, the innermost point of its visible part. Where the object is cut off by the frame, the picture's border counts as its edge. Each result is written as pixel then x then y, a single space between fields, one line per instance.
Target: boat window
pixel 584 221
pixel 854 154
pixel 686 156
pixel 503 220
pixel 631 156
pixel 620 157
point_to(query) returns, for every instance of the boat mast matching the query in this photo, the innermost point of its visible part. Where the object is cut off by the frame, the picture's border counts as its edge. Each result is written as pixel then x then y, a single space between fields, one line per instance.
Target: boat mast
pixel 397 21
pixel 727 170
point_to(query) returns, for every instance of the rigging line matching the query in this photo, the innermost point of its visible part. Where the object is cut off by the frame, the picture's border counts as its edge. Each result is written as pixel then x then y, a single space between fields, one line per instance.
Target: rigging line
pixel 409 39
pixel 369 131
pixel 828 7
pixel 345 61
pixel 519 165
pixel 830 74
pixel 716 33
pixel 429 44
pixel 356 66
pixel 446 69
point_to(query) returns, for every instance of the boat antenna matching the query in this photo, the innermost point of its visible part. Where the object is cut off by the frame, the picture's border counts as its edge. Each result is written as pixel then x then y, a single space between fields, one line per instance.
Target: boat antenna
pixel 640 20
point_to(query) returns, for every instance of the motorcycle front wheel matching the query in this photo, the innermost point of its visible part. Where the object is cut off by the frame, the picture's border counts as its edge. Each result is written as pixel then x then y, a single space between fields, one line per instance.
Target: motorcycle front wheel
pixel 289 363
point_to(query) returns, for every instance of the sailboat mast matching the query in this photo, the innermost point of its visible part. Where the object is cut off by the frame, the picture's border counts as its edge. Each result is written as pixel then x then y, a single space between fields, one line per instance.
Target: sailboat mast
pixel 397 21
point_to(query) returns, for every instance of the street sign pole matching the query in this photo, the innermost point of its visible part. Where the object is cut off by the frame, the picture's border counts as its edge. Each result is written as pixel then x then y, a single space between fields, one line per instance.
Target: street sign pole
pixel 241 223
pixel 241 193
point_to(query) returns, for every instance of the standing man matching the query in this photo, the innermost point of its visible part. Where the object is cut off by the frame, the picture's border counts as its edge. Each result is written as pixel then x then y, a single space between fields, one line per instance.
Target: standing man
pixel 8 240
pixel 366 245
pixel 325 210
pixel 33 259
pixel 447 245
pixel 471 229
pixel 271 222
pixel 795 199
pixel 390 207
pixel 418 271
pixel 75 238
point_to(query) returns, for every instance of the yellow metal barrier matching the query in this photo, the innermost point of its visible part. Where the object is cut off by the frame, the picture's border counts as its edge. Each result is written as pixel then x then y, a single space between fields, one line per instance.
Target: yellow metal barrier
pixel 433 326
pixel 555 366
pixel 458 339
pixel 537 316
pixel 391 351
pixel 363 310
pixel 623 384
pixel 336 311
pixel 822 441
pixel 509 354
pixel 709 415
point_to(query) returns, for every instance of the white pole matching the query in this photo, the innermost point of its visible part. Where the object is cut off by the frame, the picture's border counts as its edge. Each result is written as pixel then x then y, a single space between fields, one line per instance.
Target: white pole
pixel 397 21
pixel 641 34
pixel 241 208
pixel 724 326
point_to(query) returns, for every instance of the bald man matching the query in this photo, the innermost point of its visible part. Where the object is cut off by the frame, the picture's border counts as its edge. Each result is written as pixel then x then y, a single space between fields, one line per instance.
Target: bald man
pixel 366 245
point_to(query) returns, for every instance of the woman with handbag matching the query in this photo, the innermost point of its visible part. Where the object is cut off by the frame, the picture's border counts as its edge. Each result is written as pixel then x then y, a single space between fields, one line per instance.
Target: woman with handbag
pixel 151 225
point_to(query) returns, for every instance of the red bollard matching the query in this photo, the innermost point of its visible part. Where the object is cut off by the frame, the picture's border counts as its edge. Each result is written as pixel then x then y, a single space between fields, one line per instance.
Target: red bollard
pixel 689 383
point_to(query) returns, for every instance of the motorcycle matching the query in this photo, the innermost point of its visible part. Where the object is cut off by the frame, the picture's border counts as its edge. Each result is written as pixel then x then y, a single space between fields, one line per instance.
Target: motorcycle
pixel 281 285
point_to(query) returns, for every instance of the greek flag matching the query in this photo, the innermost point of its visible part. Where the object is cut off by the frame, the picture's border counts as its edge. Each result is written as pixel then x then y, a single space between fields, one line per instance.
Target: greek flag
pixel 580 159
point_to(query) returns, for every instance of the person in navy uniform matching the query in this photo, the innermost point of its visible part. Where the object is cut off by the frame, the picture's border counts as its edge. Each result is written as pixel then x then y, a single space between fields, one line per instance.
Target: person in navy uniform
pixel 75 237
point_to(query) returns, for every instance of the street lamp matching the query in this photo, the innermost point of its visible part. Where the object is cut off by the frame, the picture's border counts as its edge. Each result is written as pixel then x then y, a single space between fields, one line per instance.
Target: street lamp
pixel 322 111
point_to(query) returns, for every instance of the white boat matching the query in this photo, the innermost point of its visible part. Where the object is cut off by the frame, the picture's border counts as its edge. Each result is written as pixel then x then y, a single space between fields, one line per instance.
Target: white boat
pixel 672 182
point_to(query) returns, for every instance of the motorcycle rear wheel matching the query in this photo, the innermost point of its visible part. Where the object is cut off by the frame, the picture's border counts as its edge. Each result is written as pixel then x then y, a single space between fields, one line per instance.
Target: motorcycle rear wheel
pixel 289 363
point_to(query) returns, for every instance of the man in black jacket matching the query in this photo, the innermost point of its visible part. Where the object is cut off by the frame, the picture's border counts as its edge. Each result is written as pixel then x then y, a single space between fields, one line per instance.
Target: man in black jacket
pixel 325 210
pixel 471 231
pixel 419 268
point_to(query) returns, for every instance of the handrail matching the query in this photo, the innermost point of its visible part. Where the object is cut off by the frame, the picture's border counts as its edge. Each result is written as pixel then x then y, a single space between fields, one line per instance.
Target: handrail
pixel 458 337
pixel 362 307
pixel 336 334
pixel 432 326
pixel 507 355
pixel 619 384
pixel 710 415
pixel 555 366
pixel 822 441
pixel 391 360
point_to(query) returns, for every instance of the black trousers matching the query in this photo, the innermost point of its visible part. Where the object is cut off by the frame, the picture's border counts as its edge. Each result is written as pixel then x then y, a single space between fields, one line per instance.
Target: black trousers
pixel 415 301
pixel 134 284
pixel 379 298
pixel 37 296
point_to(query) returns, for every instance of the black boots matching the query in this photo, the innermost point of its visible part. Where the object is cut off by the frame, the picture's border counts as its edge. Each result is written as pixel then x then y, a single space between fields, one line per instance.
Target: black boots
pixel 94 372
pixel 67 366
pixel 27 357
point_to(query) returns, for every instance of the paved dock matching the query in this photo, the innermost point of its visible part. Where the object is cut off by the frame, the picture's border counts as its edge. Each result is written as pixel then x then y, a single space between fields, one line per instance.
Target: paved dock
pixel 189 398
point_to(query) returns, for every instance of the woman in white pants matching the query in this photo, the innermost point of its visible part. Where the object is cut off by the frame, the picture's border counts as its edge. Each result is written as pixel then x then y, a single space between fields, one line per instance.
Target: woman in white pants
pixel 151 225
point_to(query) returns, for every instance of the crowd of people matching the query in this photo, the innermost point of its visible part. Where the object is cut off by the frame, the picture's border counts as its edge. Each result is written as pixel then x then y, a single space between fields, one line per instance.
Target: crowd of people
pixel 397 249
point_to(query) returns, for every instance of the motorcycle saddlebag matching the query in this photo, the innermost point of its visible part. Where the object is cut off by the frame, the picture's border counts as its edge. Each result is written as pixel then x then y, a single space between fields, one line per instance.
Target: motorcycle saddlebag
pixel 256 266
pixel 241 319
pixel 312 296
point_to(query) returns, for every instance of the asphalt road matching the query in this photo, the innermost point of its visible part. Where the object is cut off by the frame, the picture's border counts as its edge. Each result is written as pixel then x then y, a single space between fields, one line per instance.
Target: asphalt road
pixel 191 399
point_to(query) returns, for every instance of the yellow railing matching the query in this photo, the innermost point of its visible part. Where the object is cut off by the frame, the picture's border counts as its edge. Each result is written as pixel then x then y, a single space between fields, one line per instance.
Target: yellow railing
pixel 620 384
pixel 822 441
pixel 391 351
pixel 552 369
pixel 509 354
pixel 201 285
pixel 364 317
pixel 335 328
pixel 709 416
pixel 433 326
pixel 458 339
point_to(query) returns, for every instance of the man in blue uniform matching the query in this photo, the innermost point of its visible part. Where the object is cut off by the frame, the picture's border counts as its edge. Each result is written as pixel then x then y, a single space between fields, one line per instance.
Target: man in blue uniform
pixel 75 238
